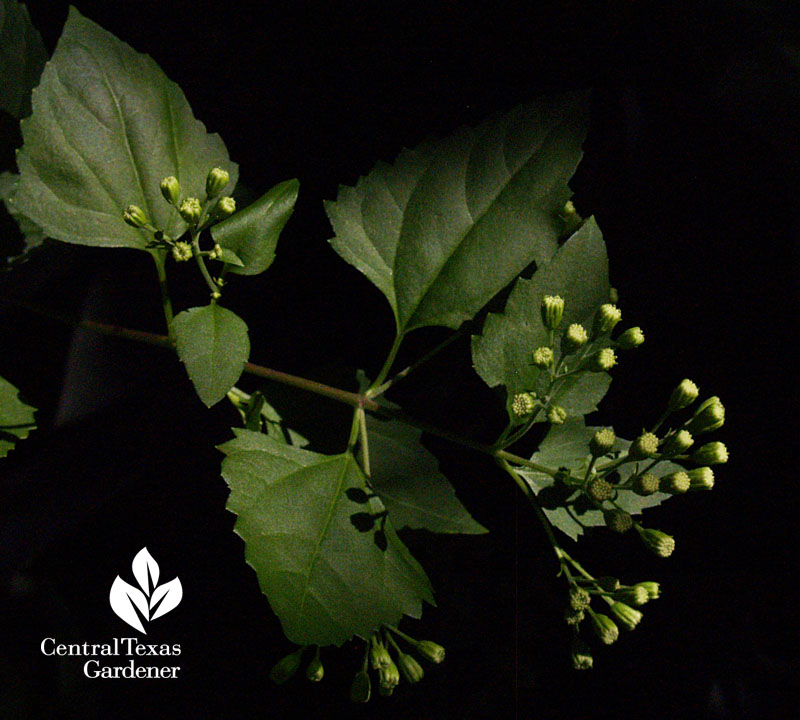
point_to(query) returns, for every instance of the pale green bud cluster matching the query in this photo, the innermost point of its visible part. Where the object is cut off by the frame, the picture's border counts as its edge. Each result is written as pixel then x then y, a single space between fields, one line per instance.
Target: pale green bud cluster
pixel 224 208
pixel 216 181
pixel 574 338
pixel 604 627
pixel 361 687
pixel 581 655
pixel 181 251
pixel 713 453
pixel 627 616
pixel 171 190
pixel 645 446
pixel 645 484
pixel 634 595
pixel 675 483
pixel 388 678
pixel 617 520
pixel 579 598
pixel 409 667
pixel 701 478
pixel 556 415
pixel 190 210
pixel 602 442
pixel 677 443
pixel 286 667
pixel 600 490
pixel 709 416
pixel 135 216
pixel 215 253
pixel 605 319
pixel 656 541
pixel 631 338
pixel 523 404
pixel 683 395
pixel 315 670
pixel 603 361
pixel 552 311
pixel 543 357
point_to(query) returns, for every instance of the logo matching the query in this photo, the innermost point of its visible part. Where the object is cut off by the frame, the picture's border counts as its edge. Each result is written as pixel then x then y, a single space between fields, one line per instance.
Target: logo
pixel 138 606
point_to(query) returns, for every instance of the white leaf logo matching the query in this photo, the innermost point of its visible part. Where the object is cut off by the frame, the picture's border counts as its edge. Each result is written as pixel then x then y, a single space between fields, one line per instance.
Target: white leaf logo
pixel 153 600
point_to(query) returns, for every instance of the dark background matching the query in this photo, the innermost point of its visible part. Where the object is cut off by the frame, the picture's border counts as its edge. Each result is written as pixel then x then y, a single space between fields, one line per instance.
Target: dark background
pixel 691 169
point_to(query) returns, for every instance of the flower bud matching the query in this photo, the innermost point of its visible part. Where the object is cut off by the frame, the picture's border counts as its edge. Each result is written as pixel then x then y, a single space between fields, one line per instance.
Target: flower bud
pixel 600 490
pixel 618 520
pixel 605 628
pixel 581 655
pixel 626 615
pixel 543 358
pixel 315 671
pixel 574 617
pixel 361 687
pixel 677 443
pixel 579 599
pixel 430 650
pixel 635 595
pixel 603 361
pixel 575 337
pixel 674 483
pixel 709 416
pixel 556 415
pixel 171 190
pixel 683 395
pixel 645 484
pixel 135 216
pixel 605 319
pixel 523 404
pixel 657 542
pixel 190 210
pixel 182 251
pixel 631 338
pixel 552 311
pixel 602 442
pixel 645 446
pixel 701 478
pixel 286 667
pixel 653 588
pixel 389 676
pixel 379 656
pixel 411 669
pixel 225 207
pixel 216 180
pixel 713 453
pixel 609 583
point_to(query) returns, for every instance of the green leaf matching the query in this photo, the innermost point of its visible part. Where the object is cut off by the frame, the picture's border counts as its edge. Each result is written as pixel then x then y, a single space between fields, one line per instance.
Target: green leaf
pixel 253 233
pixel 407 479
pixel 230 257
pixel 452 223
pixel 326 580
pixel 107 126
pixel 502 353
pixel 212 342
pixel 22 58
pixel 257 414
pixel 34 235
pixel 16 418
pixel 567 446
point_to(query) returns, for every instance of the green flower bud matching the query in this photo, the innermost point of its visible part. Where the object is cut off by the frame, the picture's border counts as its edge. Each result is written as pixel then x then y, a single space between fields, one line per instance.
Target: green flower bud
pixel 605 628
pixel 656 541
pixel 286 667
pixel 523 404
pixel 635 595
pixel 600 490
pixel 709 416
pixel 631 338
pixel 605 319
pixel 603 361
pixel 552 311
pixel 674 483
pixel 653 588
pixel 701 478
pixel 556 415
pixel 574 338
pixel 574 617
pixel 602 442
pixel 713 453
pixel 543 358
pixel 135 216
pixel 683 395
pixel 645 484
pixel 412 671
pixel 579 599
pixel 315 670
pixel 190 210
pixel 613 295
pixel 608 583
pixel 581 655
pixel 430 650
pixel 361 687
pixel 171 190
pixel 645 446
pixel 216 180
pixel 225 207
pixel 182 251
pixel 379 656
pixel 618 520
pixel 389 676
pixel 677 443
pixel 626 615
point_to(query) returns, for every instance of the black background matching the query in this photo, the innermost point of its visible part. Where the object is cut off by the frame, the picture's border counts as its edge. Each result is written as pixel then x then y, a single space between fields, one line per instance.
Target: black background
pixel 691 170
